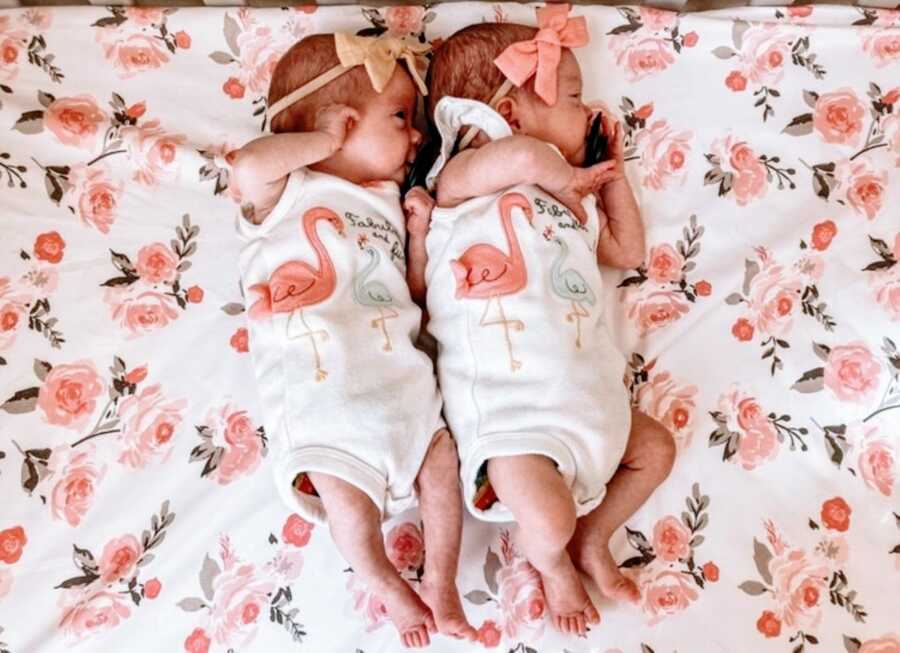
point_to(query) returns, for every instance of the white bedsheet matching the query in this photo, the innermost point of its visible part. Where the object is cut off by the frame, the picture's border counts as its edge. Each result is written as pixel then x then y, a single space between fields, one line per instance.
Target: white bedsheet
pixel 137 510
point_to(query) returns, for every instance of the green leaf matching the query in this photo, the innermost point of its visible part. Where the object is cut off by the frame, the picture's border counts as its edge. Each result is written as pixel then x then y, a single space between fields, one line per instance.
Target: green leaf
pixel 221 57
pixel 751 269
pixel 761 558
pixel 231 31
pixel 811 381
pixel 491 568
pixel 478 597
pixel 23 401
pixel 852 644
pixel 737 33
pixel 724 52
pixel 191 604
pixel 801 125
pixel 41 369
pixel 30 122
pixel 753 588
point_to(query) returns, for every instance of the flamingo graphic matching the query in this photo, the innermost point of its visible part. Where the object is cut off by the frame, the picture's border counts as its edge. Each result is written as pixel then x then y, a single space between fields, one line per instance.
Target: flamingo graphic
pixel 569 284
pixel 485 272
pixel 296 284
pixel 374 294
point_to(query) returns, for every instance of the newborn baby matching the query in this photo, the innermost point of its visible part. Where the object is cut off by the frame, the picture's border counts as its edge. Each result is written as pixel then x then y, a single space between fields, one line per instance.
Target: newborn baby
pixel 532 381
pixel 351 404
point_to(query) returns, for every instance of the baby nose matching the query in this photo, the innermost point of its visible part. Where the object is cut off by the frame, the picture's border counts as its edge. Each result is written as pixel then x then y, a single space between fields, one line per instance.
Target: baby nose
pixel 415 137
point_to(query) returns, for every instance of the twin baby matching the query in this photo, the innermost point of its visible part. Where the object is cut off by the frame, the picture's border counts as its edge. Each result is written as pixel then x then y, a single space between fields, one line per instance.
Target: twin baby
pixel 507 256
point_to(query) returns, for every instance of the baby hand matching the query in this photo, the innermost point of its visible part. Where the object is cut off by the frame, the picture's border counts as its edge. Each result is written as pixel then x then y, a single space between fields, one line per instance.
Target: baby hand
pixel 336 120
pixel 417 206
pixel 582 182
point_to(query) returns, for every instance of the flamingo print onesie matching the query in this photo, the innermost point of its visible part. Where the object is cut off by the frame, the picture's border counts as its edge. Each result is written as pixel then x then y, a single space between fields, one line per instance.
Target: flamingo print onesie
pixel 332 326
pixel 525 363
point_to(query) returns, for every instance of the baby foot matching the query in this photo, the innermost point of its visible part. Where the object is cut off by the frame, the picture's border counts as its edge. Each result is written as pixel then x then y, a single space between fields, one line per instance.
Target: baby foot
pixel 571 610
pixel 443 599
pixel 412 618
pixel 597 562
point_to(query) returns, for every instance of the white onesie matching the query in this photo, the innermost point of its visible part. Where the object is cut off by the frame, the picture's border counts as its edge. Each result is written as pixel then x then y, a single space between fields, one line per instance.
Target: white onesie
pixel 332 326
pixel 525 363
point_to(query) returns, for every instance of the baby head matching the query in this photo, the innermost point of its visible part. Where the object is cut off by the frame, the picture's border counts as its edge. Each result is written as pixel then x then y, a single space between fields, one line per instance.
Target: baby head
pixel 464 67
pixel 381 144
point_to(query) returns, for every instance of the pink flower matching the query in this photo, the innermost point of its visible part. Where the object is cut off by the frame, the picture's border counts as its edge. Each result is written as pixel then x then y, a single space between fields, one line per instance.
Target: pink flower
pixel 404 20
pixel 405 546
pixel 489 635
pixel 888 644
pixel 119 558
pixel 749 180
pixel 671 540
pixel 75 120
pixel 240 595
pixel 834 549
pixel 876 461
pixel 774 298
pixel 664 593
pixel 136 110
pixel 131 54
pixel 799 584
pixel 296 531
pixel 235 433
pixel 670 403
pixel 239 341
pixel 691 39
pixel 152 588
pixel 665 264
pixel 653 309
pixel 153 151
pixel 758 444
pixel 864 186
pixel 233 88
pixel 658 20
pixel 156 263
pixel 736 81
pixel 77 476
pixel 183 40
pixel 521 591
pixel 38 19
pixel 69 394
pixel 758 441
pixel 194 294
pixel 139 309
pixel 811 266
pixel 148 425
pixel 838 117
pixel 768 624
pixel 11 316
pixel 836 514
pixel 260 51
pixel 11 47
pixel 663 154
pixel 851 372
pixel 703 288
pixel 822 235
pixel 136 375
pixel 88 611
pixel 641 56
pixel 886 284
pixel 800 12
pixel 372 608
pixel 883 46
pixel 197 642
pixel 12 543
pixel 49 247
pixel 711 572
pixel 95 194
pixel 765 50
pixel 145 16
pixel 43 278
pixel 286 565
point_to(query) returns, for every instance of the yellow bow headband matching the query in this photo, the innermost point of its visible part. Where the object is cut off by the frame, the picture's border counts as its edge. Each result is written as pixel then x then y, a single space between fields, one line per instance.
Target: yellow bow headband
pixel 379 56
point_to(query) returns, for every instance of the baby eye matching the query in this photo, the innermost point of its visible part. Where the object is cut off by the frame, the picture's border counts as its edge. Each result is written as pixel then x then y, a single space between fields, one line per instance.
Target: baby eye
pixel 401 115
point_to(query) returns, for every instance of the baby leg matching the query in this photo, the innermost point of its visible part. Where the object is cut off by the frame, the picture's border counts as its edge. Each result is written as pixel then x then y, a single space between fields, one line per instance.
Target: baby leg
pixel 441 510
pixel 355 525
pixel 533 490
pixel 647 462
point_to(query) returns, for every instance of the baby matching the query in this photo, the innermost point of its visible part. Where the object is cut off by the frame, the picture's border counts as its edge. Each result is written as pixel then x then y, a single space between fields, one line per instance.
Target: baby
pixel 531 380
pixel 349 400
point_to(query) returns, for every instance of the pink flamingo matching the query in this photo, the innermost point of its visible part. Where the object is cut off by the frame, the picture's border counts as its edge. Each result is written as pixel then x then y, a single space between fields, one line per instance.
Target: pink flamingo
pixel 485 272
pixel 296 284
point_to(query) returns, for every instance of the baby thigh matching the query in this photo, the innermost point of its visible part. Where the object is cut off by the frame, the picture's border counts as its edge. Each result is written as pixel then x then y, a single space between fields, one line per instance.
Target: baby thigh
pixel 534 491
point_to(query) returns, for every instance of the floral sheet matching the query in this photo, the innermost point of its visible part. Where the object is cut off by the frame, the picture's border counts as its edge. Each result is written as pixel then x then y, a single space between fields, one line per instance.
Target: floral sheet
pixel 137 510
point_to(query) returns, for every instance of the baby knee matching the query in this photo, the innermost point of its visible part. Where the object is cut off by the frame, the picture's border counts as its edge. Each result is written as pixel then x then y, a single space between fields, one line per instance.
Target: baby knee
pixel 554 524
pixel 661 450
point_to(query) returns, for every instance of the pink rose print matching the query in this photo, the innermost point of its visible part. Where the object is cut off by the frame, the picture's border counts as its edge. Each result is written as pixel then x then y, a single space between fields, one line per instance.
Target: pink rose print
pixel 119 558
pixel 156 263
pixel 405 546
pixel 736 81
pixel 521 590
pixel 138 310
pixel 144 16
pixel 132 53
pixel 665 593
pixel 766 49
pixel 852 372
pixel 88 611
pixel 774 297
pixel 800 12
pixel 838 117
pixel 663 155
pixel 662 397
pixel 231 446
pixel 891 129
pixel 240 341
pixel 665 264
pixel 152 588
pixel 863 186
pixel 884 277
pixel 711 572
pixel 768 624
pixel 12 543
pixel 641 56
pixel 49 247
pixel 194 294
pixel 12 46
pixel 489 635
pixel 75 121
pixel 297 531
pixel 887 644
pixel 658 20
pixel 671 539
pixel 883 46
pixel 148 425
pixel 822 235
pixel 136 375
pixel 836 514
pixel 183 40
pixel 654 309
pixel 153 151
pixel 372 608
pixel 77 474
pixel 197 642
pixel 877 465
pixel 240 595
pixel 13 311
pixel 738 170
pixel 404 21
pixel 69 394
pixel 95 195
pixel 233 88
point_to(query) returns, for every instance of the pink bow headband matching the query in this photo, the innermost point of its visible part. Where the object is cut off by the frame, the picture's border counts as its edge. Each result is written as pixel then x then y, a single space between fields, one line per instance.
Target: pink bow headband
pixel 540 56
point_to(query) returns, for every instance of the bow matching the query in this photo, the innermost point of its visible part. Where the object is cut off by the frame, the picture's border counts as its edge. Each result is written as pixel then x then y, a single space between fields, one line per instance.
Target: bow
pixel 379 56
pixel 540 56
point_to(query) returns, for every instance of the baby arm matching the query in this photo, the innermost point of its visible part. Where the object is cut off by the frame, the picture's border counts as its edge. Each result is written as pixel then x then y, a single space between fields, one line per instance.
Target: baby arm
pixel 516 160
pixel 261 167
pixel 621 243
pixel 417 206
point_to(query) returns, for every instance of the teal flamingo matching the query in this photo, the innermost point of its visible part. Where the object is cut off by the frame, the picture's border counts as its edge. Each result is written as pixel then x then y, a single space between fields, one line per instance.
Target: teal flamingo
pixel 569 284
pixel 374 294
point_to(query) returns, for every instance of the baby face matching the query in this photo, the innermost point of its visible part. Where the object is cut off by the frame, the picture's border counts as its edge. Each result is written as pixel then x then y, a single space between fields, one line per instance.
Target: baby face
pixel 566 123
pixel 382 145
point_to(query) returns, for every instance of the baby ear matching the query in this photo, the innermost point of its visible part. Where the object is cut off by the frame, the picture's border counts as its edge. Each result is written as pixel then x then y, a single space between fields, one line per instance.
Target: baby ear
pixel 510 111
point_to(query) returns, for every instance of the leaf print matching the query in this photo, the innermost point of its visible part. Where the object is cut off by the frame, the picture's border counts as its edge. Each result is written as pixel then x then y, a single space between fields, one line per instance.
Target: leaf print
pixel 14 172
